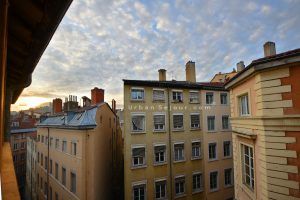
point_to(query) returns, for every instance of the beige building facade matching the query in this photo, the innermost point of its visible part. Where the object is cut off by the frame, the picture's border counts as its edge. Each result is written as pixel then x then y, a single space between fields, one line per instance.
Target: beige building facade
pixel 265 108
pixel 79 155
pixel 174 139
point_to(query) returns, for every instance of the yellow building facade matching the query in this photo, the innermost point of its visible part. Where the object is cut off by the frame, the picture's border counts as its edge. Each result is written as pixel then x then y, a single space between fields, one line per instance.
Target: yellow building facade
pixel 265 122
pixel 174 139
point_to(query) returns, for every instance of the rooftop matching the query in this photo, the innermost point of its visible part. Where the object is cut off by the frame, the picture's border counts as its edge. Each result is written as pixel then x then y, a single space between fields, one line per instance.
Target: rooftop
pixel 176 84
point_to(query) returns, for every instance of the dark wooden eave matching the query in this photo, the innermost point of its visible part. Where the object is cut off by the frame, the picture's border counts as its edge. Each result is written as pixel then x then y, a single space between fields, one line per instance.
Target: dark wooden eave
pixel 31 25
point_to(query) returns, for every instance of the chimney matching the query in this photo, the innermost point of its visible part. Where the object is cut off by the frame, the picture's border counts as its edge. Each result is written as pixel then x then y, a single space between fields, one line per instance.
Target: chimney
pixel 97 95
pixel 240 66
pixel 162 75
pixel 190 71
pixel 56 105
pixel 86 101
pixel 269 49
pixel 113 106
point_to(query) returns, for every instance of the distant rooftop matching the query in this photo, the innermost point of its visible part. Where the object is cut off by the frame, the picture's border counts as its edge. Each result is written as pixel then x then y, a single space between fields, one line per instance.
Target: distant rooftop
pixel 176 84
pixel 23 130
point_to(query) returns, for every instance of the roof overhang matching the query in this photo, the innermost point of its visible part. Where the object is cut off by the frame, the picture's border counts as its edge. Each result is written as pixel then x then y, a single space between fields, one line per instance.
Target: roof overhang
pixel 31 25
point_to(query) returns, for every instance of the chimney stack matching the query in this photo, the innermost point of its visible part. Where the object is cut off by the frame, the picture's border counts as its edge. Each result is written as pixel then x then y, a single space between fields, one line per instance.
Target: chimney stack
pixel 86 101
pixel 56 105
pixel 240 66
pixel 113 105
pixel 162 75
pixel 269 49
pixel 190 71
pixel 97 95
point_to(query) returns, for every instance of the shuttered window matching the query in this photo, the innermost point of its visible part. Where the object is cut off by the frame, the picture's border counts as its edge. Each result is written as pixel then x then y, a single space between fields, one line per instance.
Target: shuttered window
pixel 194 97
pixel 138 123
pixel 160 153
pixel 195 121
pixel 178 121
pixel 159 122
pixel 158 95
pixel 138 156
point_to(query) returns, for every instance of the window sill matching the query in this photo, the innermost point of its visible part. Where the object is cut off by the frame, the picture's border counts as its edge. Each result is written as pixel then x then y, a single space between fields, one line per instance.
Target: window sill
pixel 160 164
pixel 212 131
pixel 212 160
pixel 137 100
pixel 197 191
pixel 139 167
pixel 159 131
pixel 228 186
pixel 179 161
pixel 137 133
pixel 194 102
pixel 158 101
pixel 226 130
pixel 227 157
pixel 195 129
pixel 196 158
pixel 176 102
pixel 214 190
pixel 177 130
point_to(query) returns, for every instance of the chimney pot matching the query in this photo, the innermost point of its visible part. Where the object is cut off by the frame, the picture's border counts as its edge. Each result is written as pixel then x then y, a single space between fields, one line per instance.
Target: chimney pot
pixel 190 71
pixel 56 105
pixel 162 75
pixel 269 49
pixel 240 66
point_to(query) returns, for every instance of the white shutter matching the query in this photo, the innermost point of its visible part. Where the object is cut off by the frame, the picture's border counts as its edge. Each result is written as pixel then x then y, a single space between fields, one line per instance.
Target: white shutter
pixel 158 95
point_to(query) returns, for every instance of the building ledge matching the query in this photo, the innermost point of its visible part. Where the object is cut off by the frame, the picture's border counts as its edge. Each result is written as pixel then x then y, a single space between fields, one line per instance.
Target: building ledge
pixel 9 185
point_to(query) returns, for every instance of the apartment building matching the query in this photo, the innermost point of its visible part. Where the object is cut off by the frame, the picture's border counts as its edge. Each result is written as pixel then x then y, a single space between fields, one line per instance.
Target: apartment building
pixel 30 187
pixel 177 139
pixel 79 153
pixel 265 118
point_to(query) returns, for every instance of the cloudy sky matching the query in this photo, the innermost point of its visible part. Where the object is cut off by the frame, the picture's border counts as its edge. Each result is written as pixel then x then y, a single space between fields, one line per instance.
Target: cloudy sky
pixel 101 42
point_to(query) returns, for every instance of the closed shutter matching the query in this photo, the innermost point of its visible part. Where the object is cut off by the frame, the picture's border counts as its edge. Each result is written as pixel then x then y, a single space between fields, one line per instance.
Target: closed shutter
pixel 161 148
pixel 194 97
pixel 178 121
pixel 159 119
pixel 138 152
pixel 158 95
pixel 179 146
pixel 195 121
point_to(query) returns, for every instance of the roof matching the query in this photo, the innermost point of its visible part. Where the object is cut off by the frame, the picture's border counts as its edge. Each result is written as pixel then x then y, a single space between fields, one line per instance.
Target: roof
pixel 277 60
pixel 31 25
pixel 224 76
pixel 84 118
pixel 176 84
pixel 24 130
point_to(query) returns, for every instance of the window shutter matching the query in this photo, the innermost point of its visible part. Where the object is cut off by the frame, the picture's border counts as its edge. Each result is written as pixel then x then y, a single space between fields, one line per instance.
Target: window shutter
pixel 158 95
pixel 138 152
pixel 178 121
pixel 195 119
pixel 196 144
pixel 179 146
pixel 159 119
pixel 194 97
pixel 161 148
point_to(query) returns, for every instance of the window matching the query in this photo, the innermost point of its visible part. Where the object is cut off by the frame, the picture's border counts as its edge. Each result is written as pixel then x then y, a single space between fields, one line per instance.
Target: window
pixel 228 177
pixel 225 122
pixel 23 156
pixel 179 186
pixel 197 182
pixel 196 150
pixel 39 139
pixel 226 149
pixel 244 105
pixel 46 140
pixel 46 162
pixel 51 141
pixel 195 121
pixel 194 97
pixel 74 148
pixel 159 122
pixel 138 123
pixel 158 95
pixel 178 121
pixel 73 182
pixel 213 181
pixel 50 167
pixel 42 159
pixel 38 157
pixel 16 146
pixel 179 152
pixel 56 170
pixel 45 188
pixel 139 192
pixel 160 153
pixel 56 143
pixel 138 156
pixel 64 146
pixel 248 166
pixel 223 97
pixel 137 94
pixel 212 151
pixel 63 176
pixel 210 123
pixel 22 145
pixel 177 96
pixel 50 193
pixel 42 139
pixel 56 196
pixel 160 189
pixel 209 98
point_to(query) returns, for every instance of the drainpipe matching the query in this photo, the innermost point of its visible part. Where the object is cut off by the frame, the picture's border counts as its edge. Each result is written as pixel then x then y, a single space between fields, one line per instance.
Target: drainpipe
pixel 48 163
pixel 170 145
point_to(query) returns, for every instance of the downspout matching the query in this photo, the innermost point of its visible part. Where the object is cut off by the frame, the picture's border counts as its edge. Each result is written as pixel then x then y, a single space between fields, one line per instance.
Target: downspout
pixel 170 145
pixel 86 163
pixel 48 163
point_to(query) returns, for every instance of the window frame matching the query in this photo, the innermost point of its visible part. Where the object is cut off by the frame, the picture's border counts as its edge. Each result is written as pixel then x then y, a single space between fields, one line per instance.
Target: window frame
pixel 144 128
pixel 73 188
pixel 165 154
pixel 198 95
pixel 216 151
pixel 213 98
pixel 251 176
pixel 228 124
pixel 221 94
pixel 166 188
pixel 207 118
pixel 137 184
pixel 240 104
pixel 183 153
pixel 137 88
pixel 199 125
pixel 217 180
pixel 231 177
pixel 176 100
pixel 230 144
pixel 144 164
pixel 184 186
pixel 178 129
pixel 164 126
pixel 158 100
pixel 197 190
pixel 200 153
